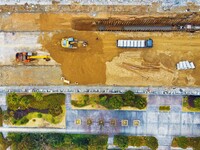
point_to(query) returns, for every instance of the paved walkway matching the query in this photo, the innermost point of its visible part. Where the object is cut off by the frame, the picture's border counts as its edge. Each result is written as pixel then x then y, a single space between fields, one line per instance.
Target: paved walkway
pixel 2 99
pixel 68 101
pixel 151 123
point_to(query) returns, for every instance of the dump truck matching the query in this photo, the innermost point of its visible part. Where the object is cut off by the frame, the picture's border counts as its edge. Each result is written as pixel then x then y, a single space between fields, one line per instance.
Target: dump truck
pixel 135 43
pixel 72 43
pixel 26 57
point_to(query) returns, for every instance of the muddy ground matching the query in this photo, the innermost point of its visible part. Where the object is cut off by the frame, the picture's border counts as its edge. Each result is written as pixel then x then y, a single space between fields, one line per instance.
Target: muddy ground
pixel 102 62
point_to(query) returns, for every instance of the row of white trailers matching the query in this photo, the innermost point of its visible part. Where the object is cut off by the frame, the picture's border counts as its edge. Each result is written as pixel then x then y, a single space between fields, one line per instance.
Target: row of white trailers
pixel 185 65
pixel 131 43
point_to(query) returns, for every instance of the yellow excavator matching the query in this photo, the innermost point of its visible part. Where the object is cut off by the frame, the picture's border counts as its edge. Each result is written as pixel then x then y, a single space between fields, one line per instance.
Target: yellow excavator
pixel 72 43
pixel 29 56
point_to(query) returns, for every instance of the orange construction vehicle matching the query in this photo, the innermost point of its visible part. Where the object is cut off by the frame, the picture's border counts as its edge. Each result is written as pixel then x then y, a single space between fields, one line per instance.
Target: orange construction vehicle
pixel 29 56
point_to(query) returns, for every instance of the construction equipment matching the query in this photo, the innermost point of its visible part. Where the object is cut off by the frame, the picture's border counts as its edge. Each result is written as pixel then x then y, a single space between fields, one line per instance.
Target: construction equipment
pixel 64 80
pixel 135 43
pixel 29 56
pixel 72 43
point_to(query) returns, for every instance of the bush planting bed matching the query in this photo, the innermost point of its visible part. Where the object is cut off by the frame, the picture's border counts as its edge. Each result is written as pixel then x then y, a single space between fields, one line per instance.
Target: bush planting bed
pixel 21 106
pixel 111 101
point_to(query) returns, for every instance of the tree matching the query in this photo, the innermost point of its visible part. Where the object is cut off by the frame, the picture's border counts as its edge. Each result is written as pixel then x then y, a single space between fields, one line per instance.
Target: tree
pixel 83 101
pixel 135 141
pixel 152 142
pixel 13 101
pixel 15 137
pixel 4 144
pixel 81 140
pixel 67 140
pixel 26 143
pixel 55 109
pixel 197 102
pixel 103 100
pixel 115 102
pixel 24 103
pixel 182 142
pixel 98 141
pixel 24 120
pixel 55 139
pixel 129 97
pixel 140 102
pixel 38 96
pixel 121 141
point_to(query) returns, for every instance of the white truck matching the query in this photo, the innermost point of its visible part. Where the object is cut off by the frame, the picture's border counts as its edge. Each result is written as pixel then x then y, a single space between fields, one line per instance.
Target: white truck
pixel 135 43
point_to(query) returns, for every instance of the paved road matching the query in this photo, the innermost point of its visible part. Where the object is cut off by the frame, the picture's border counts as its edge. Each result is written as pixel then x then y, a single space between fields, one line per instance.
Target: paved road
pixel 102 2
pixel 103 89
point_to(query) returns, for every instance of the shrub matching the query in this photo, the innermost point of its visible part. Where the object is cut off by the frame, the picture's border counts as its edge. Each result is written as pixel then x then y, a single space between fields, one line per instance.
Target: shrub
pixel 39 115
pixel 55 110
pixel 164 108
pixel 197 102
pixel 53 120
pixel 102 100
pixel 24 103
pixel 6 116
pixel 82 101
pixel 115 102
pixel 152 142
pixel 38 96
pixel 13 101
pixel 182 142
pixel 24 120
pixel 140 102
pixel 128 98
pixel 135 141
pixel 13 121
pixel 121 141
pixel 11 113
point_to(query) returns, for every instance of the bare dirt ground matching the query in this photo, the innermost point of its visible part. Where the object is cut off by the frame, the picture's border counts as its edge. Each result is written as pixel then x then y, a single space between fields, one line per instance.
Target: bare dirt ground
pixel 30 75
pixel 169 48
pixel 102 62
pixel 33 73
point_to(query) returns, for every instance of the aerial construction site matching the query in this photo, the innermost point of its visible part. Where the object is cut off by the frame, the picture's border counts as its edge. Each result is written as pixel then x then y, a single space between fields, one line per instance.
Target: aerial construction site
pixel 145 45
pixel 126 71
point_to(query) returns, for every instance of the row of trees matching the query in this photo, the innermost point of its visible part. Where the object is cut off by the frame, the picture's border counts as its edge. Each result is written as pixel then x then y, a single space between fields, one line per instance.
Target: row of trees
pixel 114 101
pixel 125 141
pixel 185 142
pixel 57 141
pixel 16 101
pixel 126 99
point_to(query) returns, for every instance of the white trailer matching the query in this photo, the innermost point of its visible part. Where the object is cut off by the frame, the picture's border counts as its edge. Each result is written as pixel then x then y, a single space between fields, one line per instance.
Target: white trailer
pixel 135 43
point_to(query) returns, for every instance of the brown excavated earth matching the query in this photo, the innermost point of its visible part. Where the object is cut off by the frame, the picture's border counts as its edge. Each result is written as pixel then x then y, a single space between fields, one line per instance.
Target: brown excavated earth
pixel 101 62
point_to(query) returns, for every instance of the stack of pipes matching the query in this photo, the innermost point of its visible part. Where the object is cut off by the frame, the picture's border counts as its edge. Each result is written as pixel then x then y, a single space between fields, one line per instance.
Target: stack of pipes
pixel 185 65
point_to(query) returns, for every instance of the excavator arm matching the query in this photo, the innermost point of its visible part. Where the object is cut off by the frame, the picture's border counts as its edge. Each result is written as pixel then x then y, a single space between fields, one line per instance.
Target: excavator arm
pixel 46 57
